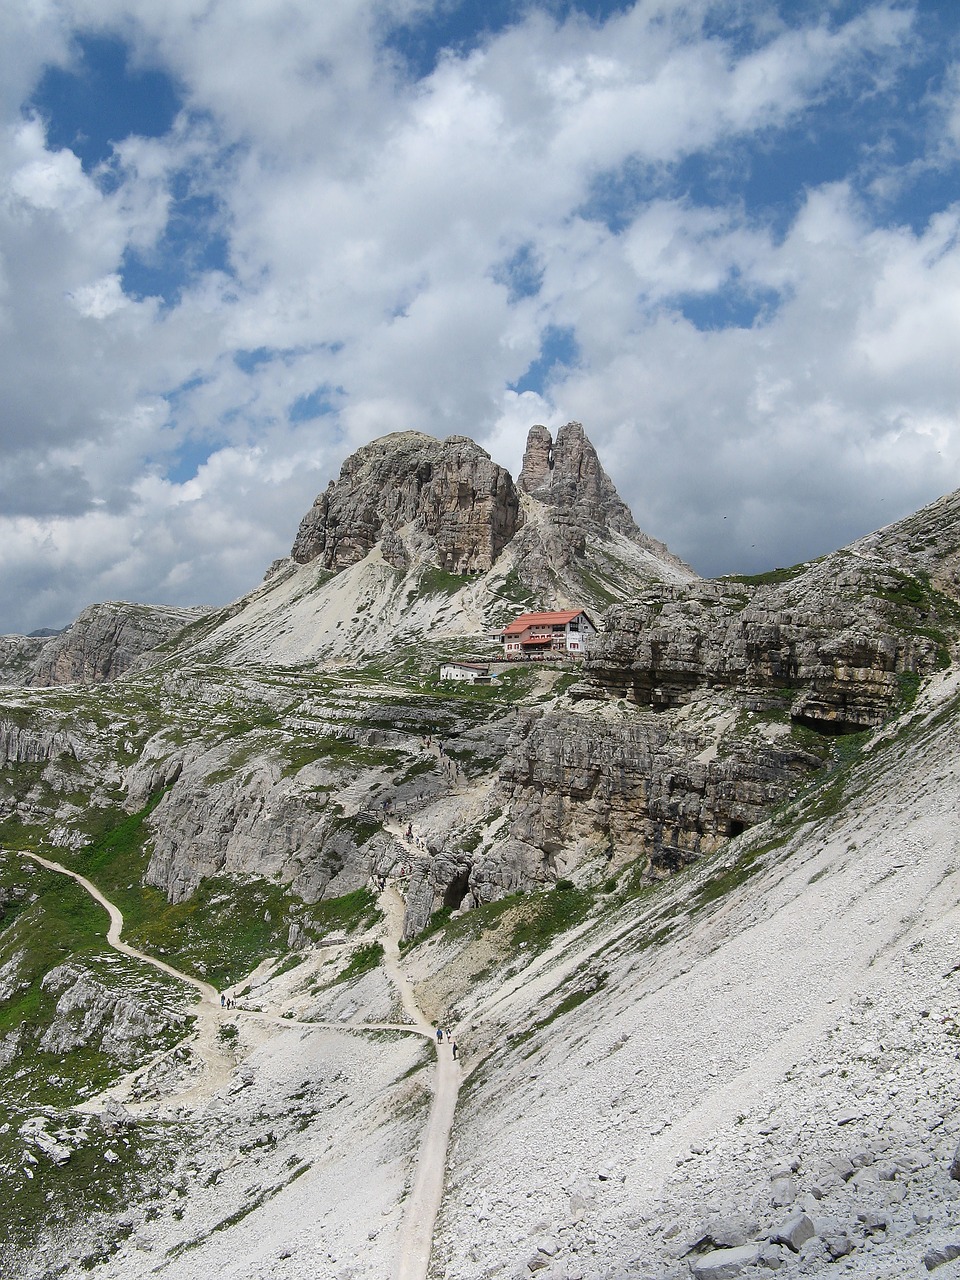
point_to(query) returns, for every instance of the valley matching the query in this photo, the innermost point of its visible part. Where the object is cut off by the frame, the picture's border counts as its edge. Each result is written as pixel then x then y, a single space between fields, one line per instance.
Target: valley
pixel 689 908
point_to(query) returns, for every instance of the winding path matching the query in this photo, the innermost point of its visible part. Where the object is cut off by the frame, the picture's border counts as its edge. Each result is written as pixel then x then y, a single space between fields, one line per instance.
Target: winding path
pixel 207 992
pixel 423 1204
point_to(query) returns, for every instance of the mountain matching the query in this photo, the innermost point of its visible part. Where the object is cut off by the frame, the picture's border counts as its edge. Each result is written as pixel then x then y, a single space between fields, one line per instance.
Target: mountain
pixel 688 907
pixel 429 540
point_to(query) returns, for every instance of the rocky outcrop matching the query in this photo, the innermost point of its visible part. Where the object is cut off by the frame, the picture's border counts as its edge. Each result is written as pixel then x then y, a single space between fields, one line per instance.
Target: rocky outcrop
pixel 88 1013
pixel 567 474
pixel 105 642
pixel 23 745
pixel 256 822
pixel 837 643
pixel 579 537
pixel 450 491
pixel 583 789
pixel 17 656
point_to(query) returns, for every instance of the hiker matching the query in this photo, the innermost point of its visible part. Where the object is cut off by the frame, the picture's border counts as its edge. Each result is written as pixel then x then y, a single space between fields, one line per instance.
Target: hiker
pixel 223 1000
pixel 453 1045
pixel 439 1034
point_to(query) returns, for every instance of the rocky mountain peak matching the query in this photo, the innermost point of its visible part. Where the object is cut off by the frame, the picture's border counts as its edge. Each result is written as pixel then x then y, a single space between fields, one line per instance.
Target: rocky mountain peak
pixel 579 530
pixel 445 500
pixel 567 473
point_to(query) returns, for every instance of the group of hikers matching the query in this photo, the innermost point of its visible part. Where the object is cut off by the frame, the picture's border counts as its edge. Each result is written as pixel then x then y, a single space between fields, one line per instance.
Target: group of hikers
pixel 226 1002
pixel 450 1040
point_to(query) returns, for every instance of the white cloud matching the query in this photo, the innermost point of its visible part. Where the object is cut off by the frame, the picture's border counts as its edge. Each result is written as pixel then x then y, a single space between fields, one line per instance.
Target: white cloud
pixel 367 219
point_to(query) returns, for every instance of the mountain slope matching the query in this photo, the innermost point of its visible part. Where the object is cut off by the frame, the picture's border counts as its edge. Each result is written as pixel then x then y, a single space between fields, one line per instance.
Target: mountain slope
pixel 790 1006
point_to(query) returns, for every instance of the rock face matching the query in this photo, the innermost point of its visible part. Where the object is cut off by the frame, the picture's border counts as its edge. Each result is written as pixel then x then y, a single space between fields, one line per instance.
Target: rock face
pixel 582 789
pixel 579 535
pixel 567 474
pixel 214 821
pixel 20 745
pixel 88 1013
pixel 105 642
pixel 449 492
pixel 17 656
pixel 839 642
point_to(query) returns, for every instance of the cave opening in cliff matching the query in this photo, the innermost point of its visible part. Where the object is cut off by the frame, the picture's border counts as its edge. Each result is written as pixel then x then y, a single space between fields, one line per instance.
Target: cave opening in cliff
pixel 456 890
pixel 735 827
pixel 829 728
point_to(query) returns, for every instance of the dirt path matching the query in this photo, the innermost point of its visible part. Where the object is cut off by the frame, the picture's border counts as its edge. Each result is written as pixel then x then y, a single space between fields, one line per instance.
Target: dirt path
pixel 207 992
pixel 215 1064
pixel 424 1202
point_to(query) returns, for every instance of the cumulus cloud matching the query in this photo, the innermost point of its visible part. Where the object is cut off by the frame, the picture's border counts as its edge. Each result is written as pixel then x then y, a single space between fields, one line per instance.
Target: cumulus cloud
pixel 322 247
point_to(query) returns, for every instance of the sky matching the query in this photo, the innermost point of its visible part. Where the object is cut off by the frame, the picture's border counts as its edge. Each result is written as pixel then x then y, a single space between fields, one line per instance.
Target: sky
pixel 241 238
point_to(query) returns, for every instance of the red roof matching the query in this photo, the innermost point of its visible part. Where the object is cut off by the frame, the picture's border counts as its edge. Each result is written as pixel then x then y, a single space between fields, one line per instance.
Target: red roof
pixel 540 620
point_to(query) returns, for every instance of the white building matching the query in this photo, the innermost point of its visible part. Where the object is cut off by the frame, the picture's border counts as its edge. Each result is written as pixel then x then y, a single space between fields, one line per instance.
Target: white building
pixel 472 672
pixel 544 635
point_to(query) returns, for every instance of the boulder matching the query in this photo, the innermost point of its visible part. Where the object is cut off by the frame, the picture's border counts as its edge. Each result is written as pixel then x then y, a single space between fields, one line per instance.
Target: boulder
pixel 941 1253
pixel 794 1231
pixel 725 1264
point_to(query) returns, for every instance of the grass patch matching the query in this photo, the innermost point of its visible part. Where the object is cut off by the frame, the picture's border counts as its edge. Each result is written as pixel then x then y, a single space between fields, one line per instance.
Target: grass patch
pixel 544 915
pixel 363 960
pixel 735 875
pixel 771 577
pixel 438 582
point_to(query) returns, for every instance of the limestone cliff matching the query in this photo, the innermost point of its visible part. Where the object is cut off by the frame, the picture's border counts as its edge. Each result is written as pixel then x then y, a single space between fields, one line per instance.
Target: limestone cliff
pixel 839 641
pixel 580 543
pixel 104 642
pixel 449 491
pixel 17 656
pixel 423 537
pixel 566 474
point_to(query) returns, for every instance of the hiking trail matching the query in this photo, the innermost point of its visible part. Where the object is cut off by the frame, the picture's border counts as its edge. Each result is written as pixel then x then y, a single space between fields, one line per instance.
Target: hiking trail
pixel 423 1204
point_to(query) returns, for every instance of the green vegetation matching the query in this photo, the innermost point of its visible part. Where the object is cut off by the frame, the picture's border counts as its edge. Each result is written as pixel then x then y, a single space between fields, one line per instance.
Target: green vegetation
pixel 61 1198
pixel 349 913
pixel 771 577
pixel 908 683
pixel 363 960
pixel 224 929
pixel 515 593
pixel 535 919
pixel 718 886
pixel 544 915
pixel 921 610
pixel 572 1000
pixel 438 582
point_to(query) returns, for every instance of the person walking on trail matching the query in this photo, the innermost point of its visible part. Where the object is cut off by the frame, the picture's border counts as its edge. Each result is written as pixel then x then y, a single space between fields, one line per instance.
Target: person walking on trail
pixel 223 1000
pixel 453 1045
pixel 439 1034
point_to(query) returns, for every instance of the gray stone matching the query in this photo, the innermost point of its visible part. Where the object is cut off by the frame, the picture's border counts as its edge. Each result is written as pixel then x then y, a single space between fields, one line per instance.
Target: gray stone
pixel 783 1192
pixel 728 1233
pixel 724 1264
pixel 794 1231
pixel 940 1254
pixel 873 1221
pixel 771 1255
pixel 842 1167
pixel 838 1244
pixel 847 1115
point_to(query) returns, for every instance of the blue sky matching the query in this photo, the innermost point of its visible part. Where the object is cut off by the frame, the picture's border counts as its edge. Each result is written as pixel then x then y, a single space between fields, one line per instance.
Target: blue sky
pixel 238 240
